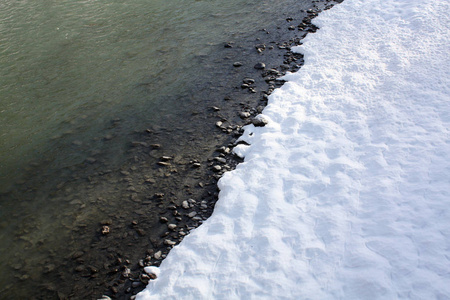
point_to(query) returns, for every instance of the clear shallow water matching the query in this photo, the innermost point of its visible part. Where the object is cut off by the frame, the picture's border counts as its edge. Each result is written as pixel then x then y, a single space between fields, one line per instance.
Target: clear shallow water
pixel 67 67
pixel 77 80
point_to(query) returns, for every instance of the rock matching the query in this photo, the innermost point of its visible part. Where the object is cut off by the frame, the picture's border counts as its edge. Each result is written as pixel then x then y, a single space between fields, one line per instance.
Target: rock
pixel 169 242
pixel 165 158
pixel 217 168
pixel 80 268
pixel 126 272
pixel 164 164
pixel 245 86
pixel 153 272
pixel 260 47
pixel 260 66
pixel 196 165
pixel 244 114
pixel 172 226
pixel 135 284
pixel 220 159
pixel 163 220
pixel 249 81
pixel 157 255
pixel 155 146
pixel 237 64
pixel 219 124
pixel 185 204
pixel 192 214
pixel 105 230
pixel 104 297
pixel 77 254
pixel 228 45
pixel 215 108
pixel 260 121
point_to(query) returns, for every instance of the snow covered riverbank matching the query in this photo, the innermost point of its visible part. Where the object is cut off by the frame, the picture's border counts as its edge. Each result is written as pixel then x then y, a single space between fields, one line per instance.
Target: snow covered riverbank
pixel 345 193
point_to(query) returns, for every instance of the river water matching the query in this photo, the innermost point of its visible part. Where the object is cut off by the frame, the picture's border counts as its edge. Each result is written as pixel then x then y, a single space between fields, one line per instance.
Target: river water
pixel 86 89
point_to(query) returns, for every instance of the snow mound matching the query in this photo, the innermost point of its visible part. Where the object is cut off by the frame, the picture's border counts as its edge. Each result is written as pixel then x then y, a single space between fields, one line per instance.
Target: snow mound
pixel 345 193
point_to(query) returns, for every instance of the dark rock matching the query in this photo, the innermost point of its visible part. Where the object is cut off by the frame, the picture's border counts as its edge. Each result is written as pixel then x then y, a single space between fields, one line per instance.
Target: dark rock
pixel 260 66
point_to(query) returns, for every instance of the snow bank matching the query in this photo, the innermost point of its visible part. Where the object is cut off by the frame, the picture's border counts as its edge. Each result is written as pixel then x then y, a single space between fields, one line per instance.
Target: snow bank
pixel 345 193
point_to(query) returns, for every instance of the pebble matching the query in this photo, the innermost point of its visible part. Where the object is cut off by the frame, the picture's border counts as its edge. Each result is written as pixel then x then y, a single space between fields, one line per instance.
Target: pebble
pixel 249 81
pixel 260 121
pixel 169 242
pixel 237 64
pixel 157 255
pixel 185 204
pixel 260 66
pixel 221 159
pixel 217 168
pixel 172 226
pixel 192 214
pixel 105 230
pixel 163 220
pixel 219 124
pixel 244 114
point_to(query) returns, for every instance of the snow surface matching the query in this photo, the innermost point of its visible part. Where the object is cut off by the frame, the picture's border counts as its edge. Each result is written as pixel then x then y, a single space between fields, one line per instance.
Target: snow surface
pixel 345 193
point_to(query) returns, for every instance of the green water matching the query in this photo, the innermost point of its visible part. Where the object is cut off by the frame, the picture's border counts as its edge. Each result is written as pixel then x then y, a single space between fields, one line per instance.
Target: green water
pixel 67 67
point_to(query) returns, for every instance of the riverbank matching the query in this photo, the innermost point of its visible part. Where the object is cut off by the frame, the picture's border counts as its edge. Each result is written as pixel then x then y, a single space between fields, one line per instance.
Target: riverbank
pixel 83 244
pixel 344 193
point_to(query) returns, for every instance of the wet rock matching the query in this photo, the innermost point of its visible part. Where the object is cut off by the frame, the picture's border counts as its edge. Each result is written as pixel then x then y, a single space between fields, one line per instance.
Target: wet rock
pixel 126 272
pixel 163 220
pixel 157 255
pixel 104 297
pixel 192 214
pixel 245 86
pixel 196 165
pixel 155 146
pixel 185 204
pixel 219 124
pixel 260 66
pixel 221 159
pixel 77 254
pixel 105 230
pixel 164 164
pixel 237 64
pixel 260 121
pixel 244 114
pixel 172 226
pixel 217 168
pixel 228 45
pixel 169 242
pixel 80 268
pixel 249 81
pixel 165 158
pixel 140 231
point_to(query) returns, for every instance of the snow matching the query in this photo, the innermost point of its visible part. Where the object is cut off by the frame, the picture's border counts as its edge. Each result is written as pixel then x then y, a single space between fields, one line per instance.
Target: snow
pixel 344 194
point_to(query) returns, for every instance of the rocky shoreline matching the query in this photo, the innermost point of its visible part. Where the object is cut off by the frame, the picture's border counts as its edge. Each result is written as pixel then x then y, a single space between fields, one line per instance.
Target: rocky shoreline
pixel 223 159
pixel 169 184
